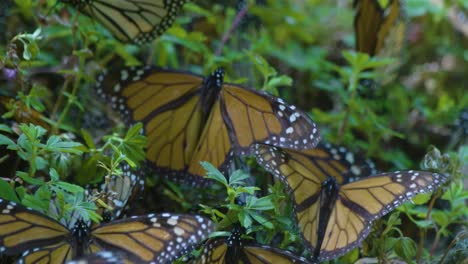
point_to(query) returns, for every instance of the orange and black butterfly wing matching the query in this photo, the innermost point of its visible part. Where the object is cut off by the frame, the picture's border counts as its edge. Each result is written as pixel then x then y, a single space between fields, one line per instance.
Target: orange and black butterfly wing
pixel 303 177
pixel 58 253
pixel 263 254
pixel 358 204
pixel 132 20
pixel 379 30
pixel 158 238
pixel 23 229
pixel 367 23
pixel 168 104
pixel 255 117
pixel 340 163
pixel 215 144
pixel 230 250
pixel 361 202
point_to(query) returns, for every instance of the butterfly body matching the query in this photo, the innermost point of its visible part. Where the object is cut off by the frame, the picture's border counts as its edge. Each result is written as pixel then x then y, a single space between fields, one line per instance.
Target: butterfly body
pixel 328 195
pixel 188 119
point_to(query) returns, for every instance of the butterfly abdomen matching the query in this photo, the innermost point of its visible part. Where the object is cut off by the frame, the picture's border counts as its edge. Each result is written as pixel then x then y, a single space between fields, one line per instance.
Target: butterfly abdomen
pixel 328 195
pixel 210 91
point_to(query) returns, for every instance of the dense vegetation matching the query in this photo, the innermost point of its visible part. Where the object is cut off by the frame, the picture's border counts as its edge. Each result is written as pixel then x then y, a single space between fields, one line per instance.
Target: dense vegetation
pixel 409 112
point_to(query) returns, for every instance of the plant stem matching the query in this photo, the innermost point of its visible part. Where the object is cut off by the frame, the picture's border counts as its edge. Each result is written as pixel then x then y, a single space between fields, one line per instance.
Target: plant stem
pixel 234 25
pixel 352 86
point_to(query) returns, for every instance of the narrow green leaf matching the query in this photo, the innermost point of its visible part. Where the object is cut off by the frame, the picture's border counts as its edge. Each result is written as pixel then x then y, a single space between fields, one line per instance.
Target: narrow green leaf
pixel 26 178
pixel 7 192
pixel 213 173
pixel 4 140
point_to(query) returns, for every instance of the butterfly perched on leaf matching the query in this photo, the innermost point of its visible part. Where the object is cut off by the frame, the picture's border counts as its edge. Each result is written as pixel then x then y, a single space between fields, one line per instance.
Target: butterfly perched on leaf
pixel 133 21
pixel 188 119
pixel 334 214
pixel 155 238
pixel 234 249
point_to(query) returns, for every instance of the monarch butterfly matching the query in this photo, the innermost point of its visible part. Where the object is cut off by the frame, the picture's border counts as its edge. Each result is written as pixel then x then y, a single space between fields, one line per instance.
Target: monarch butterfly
pixel 236 250
pixel 373 24
pixel 188 119
pixel 137 21
pixel 151 238
pixel 334 217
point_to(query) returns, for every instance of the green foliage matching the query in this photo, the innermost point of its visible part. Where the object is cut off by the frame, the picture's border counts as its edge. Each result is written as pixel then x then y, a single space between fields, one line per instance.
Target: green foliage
pixel 266 215
pixel 302 52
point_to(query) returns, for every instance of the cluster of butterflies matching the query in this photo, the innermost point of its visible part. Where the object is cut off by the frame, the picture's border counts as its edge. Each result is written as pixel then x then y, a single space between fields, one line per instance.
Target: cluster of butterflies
pixel 188 119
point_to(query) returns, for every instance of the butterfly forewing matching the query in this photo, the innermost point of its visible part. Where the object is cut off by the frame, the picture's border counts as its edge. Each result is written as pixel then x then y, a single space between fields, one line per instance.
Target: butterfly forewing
pixel 363 201
pixel 367 23
pixel 137 21
pixel 256 117
pixel 214 145
pixel 167 103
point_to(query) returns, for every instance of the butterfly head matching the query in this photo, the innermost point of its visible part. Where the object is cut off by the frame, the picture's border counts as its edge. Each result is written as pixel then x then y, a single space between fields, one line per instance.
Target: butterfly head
pixel 329 193
pixel 81 230
pixel 215 80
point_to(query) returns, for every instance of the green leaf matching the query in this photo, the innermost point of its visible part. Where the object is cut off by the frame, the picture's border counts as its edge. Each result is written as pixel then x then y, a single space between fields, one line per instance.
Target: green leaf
pixel 423 223
pixel 4 140
pixel 405 247
pixel 237 177
pixel 88 139
pixel 389 243
pixel 5 128
pixel 26 178
pixel 219 234
pixel 262 204
pixel 72 188
pixel 7 192
pixel 440 218
pixel 421 198
pixel 245 219
pixel 213 173
pixel 262 220
pixel 53 175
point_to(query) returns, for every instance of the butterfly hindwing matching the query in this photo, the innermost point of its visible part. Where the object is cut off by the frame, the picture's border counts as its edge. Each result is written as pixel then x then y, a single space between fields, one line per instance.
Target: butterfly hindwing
pixel 57 253
pixel 155 237
pixel 133 21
